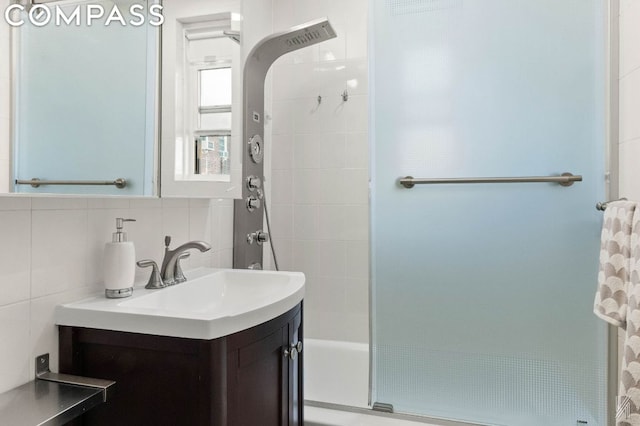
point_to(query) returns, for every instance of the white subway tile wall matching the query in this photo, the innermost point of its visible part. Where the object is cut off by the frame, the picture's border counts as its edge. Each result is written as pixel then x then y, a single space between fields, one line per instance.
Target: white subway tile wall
pixel 51 253
pixel 320 177
pixel 629 99
pixel 629 142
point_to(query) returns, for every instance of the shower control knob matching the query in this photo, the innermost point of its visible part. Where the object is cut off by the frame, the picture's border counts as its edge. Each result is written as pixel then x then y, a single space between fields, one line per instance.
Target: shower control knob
pixel 258 236
pixel 253 203
pixel 253 183
pixel 261 237
pixel 256 153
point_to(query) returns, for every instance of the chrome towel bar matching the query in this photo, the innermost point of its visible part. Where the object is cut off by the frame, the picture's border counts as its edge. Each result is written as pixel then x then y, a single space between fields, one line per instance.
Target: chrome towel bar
pixel 35 182
pixel 566 179
pixel 602 206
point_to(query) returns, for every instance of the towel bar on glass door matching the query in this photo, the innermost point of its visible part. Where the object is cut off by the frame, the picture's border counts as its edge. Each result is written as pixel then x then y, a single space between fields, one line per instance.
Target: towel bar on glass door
pixel 35 182
pixel 565 179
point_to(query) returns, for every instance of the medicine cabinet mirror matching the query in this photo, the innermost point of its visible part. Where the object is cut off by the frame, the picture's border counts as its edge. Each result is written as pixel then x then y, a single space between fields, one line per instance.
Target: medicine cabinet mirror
pixel 127 110
pixel 84 102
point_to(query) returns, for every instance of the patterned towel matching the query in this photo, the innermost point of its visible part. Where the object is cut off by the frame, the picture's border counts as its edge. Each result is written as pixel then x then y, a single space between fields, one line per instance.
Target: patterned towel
pixel 613 278
pixel 618 298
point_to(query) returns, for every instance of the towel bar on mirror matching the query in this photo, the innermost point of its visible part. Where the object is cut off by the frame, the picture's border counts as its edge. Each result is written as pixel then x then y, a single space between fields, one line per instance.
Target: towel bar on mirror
pixel 565 179
pixel 602 206
pixel 35 182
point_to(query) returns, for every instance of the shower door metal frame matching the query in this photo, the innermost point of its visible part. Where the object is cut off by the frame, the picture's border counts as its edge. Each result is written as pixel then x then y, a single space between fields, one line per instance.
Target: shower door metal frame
pixel 612 186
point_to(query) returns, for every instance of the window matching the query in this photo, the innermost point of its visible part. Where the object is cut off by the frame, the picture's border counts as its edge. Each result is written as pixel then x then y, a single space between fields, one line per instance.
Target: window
pixel 214 121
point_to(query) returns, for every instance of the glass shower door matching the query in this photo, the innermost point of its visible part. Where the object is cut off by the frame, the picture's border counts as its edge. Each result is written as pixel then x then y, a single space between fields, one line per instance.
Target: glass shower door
pixel 482 293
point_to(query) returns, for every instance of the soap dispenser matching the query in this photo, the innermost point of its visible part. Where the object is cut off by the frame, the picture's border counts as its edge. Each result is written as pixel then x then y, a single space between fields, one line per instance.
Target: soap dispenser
pixel 119 263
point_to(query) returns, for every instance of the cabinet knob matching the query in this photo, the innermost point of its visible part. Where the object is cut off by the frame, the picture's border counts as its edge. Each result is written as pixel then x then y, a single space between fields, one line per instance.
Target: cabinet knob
pixel 293 351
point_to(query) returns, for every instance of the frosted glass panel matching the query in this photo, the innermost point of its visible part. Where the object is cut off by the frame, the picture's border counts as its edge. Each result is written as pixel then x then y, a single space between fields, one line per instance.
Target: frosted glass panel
pixel 86 105
pixel 482 293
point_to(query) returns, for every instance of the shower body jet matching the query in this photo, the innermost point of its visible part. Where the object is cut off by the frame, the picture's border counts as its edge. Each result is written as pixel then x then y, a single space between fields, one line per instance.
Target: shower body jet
pixel 248 212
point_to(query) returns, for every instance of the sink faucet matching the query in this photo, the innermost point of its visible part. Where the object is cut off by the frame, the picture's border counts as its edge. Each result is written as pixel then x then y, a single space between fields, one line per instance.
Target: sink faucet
pixel 171 257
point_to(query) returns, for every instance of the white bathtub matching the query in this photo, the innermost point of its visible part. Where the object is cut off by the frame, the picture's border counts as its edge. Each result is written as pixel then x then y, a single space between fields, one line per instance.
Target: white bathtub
pixel 336 386
pixel 336 372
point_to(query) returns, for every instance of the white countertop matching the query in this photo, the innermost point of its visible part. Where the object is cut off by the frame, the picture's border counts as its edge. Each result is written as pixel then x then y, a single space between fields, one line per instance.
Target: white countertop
pixel 211 304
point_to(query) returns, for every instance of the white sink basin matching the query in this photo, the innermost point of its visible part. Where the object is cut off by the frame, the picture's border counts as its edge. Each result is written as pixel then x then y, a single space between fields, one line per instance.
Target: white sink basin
pixel 212 304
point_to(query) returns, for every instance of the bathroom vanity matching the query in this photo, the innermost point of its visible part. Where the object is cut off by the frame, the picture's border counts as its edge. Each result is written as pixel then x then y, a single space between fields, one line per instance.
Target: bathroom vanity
pixel 250 376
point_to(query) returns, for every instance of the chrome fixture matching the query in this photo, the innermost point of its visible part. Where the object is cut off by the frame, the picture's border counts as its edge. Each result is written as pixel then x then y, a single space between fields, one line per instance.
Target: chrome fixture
pixel 52 398
pixel 155 280
pixel 602 206
pixel 253 183
pixel 180 278
pixel 293 351
pixel 565 179
pixel 253 203
pixel 248 215
pixel 44 373
pixel 233 35
pixel 256 146
pixel 35 182
pixel 259 237
pixel 382 407
pixel 169 271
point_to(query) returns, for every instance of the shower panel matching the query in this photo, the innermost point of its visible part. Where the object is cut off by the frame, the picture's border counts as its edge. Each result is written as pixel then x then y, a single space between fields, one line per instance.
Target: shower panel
pixel 248 212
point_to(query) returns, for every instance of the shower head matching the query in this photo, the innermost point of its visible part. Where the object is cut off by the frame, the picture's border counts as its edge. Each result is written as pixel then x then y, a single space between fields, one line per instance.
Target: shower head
pixel 308 34
pixel 272 47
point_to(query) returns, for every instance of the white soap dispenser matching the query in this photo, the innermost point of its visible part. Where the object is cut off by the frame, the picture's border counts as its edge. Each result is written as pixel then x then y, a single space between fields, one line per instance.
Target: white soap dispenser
pixel 119 263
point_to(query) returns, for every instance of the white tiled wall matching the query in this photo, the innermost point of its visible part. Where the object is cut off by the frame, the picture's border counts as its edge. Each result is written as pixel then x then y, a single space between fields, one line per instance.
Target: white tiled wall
pixel 319 180
pixel 629 99
pixel 51 253
pixel 629 142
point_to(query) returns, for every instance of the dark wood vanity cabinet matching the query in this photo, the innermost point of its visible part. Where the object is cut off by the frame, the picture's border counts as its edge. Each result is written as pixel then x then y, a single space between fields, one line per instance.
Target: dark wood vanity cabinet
pixel 244 379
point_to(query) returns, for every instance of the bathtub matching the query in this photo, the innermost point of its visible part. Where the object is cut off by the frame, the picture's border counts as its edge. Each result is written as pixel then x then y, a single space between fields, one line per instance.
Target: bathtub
pixel 336 372
pixel 336 387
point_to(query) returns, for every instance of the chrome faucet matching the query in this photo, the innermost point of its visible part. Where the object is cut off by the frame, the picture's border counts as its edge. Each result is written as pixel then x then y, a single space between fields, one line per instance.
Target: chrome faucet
pixel 172 257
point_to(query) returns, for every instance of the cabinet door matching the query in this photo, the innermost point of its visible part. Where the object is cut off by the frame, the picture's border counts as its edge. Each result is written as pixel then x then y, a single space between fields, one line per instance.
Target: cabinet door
pixel 258 377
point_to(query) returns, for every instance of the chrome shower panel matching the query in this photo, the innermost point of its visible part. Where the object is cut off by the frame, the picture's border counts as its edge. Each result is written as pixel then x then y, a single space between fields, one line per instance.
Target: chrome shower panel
pixel 248 212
